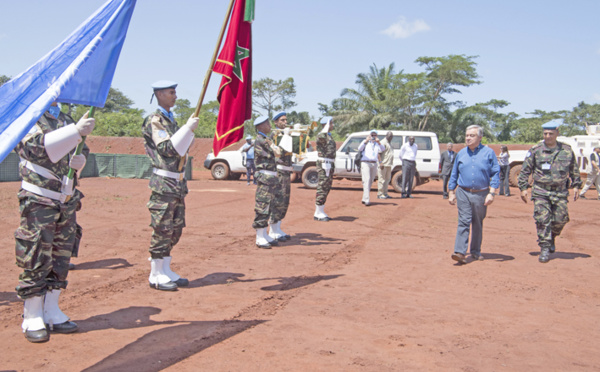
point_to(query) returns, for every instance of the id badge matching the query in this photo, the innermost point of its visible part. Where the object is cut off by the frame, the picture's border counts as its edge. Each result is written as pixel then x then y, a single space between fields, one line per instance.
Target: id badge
pixel 546 166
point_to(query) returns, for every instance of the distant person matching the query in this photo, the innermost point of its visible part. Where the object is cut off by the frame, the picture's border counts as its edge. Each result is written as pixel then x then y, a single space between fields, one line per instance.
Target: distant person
pixel 326 149
pixel 48 234
pixel 408 155
pixel 370 148
pixel 167 145
pixel 583 162
pixel 386 161
pixel 593 177
pixel 248 149
pixel 446 163
pixel 553 166
pixel 472 186
pixel 503 160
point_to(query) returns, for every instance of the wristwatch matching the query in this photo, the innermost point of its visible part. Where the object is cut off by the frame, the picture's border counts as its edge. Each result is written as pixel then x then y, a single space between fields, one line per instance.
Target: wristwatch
pixel 492 193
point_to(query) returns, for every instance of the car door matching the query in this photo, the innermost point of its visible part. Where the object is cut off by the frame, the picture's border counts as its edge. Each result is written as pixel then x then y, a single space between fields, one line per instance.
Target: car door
pixel 344 160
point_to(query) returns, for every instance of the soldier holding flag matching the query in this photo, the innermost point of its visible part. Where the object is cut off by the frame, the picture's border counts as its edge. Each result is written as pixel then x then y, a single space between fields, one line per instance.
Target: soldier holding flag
pixel 167 145
pixel 48 233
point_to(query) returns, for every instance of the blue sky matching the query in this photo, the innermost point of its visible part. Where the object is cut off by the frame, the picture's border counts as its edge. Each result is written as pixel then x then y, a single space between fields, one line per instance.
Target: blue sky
pixel 534 54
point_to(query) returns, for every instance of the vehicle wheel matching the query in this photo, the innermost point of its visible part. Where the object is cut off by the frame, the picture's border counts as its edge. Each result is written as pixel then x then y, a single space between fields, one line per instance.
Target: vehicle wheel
pixel 513 175
pixel 235 176
pixel 397 181
pixel 219 171
pixel 310 177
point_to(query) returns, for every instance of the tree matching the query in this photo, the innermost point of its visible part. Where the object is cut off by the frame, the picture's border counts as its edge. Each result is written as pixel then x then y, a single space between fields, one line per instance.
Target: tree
pixel 4 79
pixel 272 96
pixel 580 115
pixel 444 74
pixel 208 116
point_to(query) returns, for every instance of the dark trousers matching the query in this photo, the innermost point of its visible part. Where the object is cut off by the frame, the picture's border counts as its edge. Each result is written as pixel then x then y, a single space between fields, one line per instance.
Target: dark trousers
pixel 250 169
pixel 504 172
pixel 409 168
pixel 445 179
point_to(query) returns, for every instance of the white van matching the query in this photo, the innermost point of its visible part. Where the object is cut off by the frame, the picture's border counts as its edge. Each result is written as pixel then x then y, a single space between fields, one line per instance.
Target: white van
pixel 428 158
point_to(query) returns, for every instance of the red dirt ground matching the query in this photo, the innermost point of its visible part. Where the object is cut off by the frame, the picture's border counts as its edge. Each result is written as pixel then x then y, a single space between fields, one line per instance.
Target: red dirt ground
pixel 373 290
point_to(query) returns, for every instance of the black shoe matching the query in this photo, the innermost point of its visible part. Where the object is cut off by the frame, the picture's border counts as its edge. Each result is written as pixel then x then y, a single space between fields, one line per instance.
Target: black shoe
pixel 325 219
pixel 284 238
pixel 169 286
pixel 66 327
pixel 582 196
pixel 182 282
pixel 410 196
pixel 477 257
pixel 71 266
pixel 552 247
pixel 37 336
pixel 445 196
pixel 274 242
pixel 264 246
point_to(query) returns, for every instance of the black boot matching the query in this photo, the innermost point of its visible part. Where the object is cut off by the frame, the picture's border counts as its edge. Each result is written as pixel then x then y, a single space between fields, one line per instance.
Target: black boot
pixel 545 255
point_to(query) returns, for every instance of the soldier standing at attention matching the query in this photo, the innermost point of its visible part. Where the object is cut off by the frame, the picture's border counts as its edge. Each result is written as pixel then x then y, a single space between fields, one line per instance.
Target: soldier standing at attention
pixel 167 146
pixel 268 187
pixel 284 169
pixel 552 164
pixel 326 148
pixel 48 233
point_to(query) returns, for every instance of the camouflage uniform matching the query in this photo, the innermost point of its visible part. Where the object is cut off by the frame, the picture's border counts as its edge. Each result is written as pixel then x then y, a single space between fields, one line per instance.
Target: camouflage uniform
pixel 551 169
pixel 282 199
pixel 166 204
pixel 268 185
pixel 48 235
pixel 326 148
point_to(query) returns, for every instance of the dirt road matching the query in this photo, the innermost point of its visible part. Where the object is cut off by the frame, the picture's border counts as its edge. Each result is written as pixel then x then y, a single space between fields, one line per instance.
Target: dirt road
pixel 373 290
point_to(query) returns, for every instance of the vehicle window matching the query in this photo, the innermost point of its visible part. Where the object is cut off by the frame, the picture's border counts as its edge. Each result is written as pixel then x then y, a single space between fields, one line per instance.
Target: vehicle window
pixel 423 143
pixel 352 144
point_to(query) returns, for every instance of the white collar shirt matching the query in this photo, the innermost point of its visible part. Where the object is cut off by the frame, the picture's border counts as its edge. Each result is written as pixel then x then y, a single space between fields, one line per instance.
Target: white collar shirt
pixel 371 149
pixel 408 152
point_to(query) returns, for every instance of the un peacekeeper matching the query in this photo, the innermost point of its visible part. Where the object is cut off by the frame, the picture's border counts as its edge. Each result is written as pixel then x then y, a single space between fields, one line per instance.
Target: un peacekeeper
pixel 265 152
pixel 552 164
pixel 284 170
pixel 48 234
pixel 167 145
pixel 326 148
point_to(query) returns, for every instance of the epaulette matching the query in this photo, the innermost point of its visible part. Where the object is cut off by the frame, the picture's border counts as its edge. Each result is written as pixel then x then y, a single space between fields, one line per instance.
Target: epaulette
pixel 565 146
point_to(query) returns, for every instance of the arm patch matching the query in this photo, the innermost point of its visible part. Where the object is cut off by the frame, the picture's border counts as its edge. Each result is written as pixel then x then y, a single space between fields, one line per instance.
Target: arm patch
pixel 159 132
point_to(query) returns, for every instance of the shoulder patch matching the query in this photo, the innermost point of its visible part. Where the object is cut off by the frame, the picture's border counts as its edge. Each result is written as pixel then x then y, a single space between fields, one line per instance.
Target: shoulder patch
pixel 528 154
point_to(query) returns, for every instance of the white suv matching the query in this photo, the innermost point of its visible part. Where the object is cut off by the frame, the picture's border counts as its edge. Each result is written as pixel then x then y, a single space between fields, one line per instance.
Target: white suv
pixel 228 165
pixel 428 158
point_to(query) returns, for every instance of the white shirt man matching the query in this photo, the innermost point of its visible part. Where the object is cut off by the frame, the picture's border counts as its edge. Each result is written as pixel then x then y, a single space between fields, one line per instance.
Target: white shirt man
pixel 408 155
pixel 370 148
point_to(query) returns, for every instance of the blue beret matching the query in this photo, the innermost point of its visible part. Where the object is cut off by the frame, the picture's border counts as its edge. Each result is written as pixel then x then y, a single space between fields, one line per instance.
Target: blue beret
pixel 326 119
pixel 164 84
pixel 282 113
pixel 261 119
pixel 552 124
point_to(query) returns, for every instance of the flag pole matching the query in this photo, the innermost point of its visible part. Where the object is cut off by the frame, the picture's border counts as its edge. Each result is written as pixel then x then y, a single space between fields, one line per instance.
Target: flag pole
pixel 79 148
pixel 212 62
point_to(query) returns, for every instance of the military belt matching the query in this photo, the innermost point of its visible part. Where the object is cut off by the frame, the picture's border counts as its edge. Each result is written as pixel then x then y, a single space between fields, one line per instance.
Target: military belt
pixel 326 160
pixel 284 168
pixel 551 188
pixel 44 192
pixel 44 172
pixel 270 173
pixel 166 173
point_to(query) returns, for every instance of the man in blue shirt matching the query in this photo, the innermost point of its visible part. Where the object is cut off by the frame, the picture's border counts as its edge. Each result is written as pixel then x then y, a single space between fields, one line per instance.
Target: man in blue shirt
pixel 472 187
pixel 248 148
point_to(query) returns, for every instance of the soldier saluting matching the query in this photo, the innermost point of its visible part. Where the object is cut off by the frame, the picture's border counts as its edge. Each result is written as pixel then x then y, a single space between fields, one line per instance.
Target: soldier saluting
pixel 326 149
pixel 167 145
pixel 265 152
pixel 553 164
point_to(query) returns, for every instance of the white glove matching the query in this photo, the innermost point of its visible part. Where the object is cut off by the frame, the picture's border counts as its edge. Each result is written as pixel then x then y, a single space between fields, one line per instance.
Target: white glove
pixel 286 131
pixel 192 122
pixel 77 162
pixel 85 125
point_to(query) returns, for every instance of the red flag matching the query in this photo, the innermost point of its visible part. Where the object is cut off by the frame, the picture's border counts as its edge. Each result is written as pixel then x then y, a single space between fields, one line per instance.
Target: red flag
pixel 235 64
